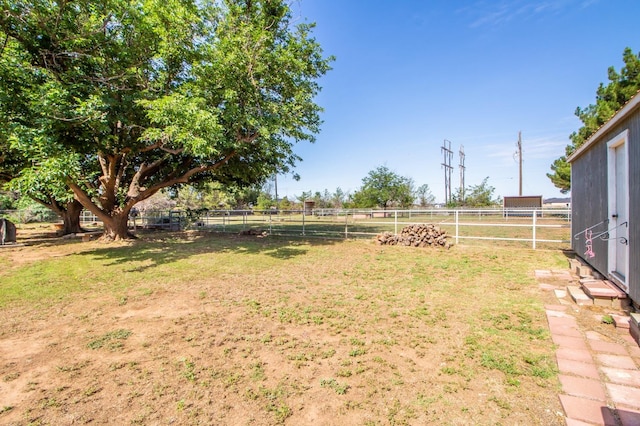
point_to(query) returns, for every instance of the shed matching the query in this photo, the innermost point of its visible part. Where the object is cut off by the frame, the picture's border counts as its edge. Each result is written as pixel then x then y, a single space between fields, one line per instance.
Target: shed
pixel 528 202
pixel 605 201
pixel 309 206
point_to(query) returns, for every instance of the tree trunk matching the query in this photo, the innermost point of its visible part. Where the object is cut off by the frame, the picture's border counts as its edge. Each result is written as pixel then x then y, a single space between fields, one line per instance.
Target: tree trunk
pixel 71 217
pixel 116 227
pixel 114 219
pixel 69 212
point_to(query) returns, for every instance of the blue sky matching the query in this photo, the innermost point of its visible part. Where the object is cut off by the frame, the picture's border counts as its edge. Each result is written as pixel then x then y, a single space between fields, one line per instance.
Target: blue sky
pixel 411 73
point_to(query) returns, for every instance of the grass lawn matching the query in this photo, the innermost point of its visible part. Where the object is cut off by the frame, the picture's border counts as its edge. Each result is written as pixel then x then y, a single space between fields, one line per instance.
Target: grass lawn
pixel 192 328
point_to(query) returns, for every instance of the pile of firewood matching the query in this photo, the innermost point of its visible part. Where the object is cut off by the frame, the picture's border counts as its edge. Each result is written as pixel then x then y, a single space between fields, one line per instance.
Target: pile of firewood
pixel 257 232
pixel 416 236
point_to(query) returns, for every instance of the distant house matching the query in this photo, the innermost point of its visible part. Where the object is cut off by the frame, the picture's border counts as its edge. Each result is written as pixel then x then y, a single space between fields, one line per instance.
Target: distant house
pixel 605 199
pixel 563 203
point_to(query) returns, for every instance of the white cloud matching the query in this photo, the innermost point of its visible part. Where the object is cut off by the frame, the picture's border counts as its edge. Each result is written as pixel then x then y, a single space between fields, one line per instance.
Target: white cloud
pixel 486 13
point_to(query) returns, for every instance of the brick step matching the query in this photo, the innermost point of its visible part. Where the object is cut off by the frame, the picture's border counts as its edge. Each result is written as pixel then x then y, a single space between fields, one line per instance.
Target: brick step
pixel 604 293
pixel 599 293
pixel 621 321
pixel 634 327
pixel 578 295
pixel 581 269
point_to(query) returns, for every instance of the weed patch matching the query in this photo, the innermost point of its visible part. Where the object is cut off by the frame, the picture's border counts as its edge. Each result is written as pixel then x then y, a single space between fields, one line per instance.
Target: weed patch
pixel 339 388
pixel 112 340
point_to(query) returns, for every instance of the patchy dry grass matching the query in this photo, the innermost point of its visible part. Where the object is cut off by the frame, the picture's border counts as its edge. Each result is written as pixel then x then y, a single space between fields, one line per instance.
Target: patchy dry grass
pixel 212 329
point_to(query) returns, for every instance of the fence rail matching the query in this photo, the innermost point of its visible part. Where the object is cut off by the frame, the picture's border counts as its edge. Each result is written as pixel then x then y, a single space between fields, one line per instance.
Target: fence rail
pixel 530 227
pixel 517 225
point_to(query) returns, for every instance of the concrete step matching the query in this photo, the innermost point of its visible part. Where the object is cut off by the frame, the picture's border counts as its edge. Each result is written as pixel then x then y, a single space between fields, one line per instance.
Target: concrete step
pixel 634 327
pixel 621 321
pixel 604 293
pixel 578 295
pixel 580 268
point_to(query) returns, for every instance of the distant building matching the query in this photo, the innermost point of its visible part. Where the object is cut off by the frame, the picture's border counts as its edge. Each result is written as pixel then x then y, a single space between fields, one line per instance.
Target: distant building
pixel 524 202
pixel 557 202
pixel 521 205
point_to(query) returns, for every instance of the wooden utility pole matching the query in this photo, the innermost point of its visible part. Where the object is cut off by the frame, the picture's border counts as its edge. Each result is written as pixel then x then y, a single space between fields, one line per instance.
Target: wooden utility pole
pixel 519 153
pixel 275 181
pixel 462 167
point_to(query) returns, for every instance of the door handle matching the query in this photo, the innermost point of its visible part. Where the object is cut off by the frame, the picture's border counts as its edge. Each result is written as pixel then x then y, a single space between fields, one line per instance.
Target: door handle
pixel 615 216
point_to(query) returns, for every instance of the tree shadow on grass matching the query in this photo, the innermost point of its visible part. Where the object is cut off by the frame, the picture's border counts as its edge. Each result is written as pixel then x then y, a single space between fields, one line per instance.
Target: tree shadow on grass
pixel 158 248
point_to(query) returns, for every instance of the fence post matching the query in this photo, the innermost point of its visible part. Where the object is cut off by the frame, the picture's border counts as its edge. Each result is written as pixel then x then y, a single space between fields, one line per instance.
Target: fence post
pixel 457 227
pixel 270 230
pixel 346 224
pixel 303 214
pixel 396 222
pixel 535 214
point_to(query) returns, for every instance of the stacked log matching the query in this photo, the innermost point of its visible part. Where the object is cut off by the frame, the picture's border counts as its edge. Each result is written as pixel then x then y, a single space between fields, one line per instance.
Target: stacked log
pixel 419 235
pixel 257 232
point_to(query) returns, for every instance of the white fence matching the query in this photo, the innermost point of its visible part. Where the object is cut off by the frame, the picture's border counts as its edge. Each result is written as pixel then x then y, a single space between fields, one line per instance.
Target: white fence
pixel 529 227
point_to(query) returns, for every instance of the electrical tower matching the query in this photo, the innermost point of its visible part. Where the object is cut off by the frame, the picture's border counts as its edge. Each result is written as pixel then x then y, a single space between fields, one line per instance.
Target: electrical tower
pixel 462 168
pixel 448 156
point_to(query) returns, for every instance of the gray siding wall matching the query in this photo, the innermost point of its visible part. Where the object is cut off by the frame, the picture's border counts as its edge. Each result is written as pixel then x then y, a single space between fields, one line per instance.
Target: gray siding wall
pixel 589 200
pixel 633 124
pixel 589 203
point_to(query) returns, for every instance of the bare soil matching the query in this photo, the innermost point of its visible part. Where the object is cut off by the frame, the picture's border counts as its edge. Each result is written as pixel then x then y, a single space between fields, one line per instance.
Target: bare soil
pixel 292 345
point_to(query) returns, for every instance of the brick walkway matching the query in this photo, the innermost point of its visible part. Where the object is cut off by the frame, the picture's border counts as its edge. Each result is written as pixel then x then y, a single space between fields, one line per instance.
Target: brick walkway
pixel 598 372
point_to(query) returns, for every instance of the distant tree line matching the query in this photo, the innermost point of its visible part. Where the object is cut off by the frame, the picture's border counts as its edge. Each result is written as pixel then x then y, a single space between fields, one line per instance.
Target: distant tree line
pixel 381 189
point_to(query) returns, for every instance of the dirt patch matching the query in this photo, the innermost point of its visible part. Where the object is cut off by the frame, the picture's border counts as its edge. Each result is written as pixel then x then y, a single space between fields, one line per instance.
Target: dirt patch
pixel 312 336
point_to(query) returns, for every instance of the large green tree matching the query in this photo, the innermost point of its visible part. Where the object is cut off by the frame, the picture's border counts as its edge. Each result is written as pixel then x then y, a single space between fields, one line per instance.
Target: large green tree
pixel 424 196
pixel 40 184
pixel 481 195
pixel 609 99
pixel 132 96
pixel 384 188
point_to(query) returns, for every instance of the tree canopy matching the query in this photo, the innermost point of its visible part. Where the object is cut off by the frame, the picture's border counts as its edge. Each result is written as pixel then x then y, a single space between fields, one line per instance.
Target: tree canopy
pixel 383 188
pixel 424 196
pixel 609 99
pixel 118 99
pixel 481 195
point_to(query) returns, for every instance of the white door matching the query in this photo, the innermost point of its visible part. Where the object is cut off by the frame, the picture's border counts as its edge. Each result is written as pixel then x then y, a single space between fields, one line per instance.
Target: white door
pixel 618 186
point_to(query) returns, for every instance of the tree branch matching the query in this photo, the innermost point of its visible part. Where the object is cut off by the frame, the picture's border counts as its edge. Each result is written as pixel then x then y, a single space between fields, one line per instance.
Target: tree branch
pixel 172 151
pixel 109 179
pixel 184 178
pixel 87 203
pixel 246 138
pixel 134 187
pixel 160 145
pixel 103 165
pixel 121 168
pixel 51 204
pixel 4 44
pixel 77 119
